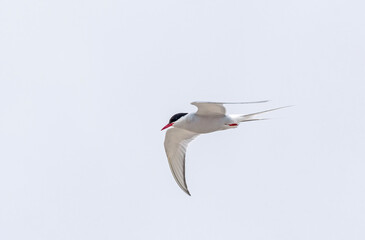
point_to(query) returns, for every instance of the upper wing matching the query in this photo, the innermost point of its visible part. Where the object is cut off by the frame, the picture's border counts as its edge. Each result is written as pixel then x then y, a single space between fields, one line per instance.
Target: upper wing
pixel 176 142
pixel 215 108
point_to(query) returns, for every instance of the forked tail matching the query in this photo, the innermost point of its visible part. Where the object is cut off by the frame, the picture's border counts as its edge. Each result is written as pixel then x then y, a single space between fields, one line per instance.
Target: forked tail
pixel 252 116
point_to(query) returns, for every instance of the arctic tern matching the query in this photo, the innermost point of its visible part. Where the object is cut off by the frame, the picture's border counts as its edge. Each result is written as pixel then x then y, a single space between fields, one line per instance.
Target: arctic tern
pixel 210 117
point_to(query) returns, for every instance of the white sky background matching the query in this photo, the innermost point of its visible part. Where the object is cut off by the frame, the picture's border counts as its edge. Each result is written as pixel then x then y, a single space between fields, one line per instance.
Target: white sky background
pixel 86 86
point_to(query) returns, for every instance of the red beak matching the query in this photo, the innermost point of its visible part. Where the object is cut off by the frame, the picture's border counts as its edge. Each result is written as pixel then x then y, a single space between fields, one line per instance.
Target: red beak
pixel 168 125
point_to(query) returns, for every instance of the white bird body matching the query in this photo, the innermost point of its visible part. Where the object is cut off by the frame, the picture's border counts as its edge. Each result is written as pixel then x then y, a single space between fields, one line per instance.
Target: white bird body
pixel 205 124
pixel 210 117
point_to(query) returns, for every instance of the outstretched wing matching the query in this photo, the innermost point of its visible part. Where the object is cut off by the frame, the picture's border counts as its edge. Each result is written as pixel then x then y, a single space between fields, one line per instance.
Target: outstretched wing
pixel 176 142
pixel 215 108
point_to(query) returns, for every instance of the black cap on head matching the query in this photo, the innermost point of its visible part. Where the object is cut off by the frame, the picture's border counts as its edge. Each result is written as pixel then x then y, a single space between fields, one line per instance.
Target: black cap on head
pixel 176 117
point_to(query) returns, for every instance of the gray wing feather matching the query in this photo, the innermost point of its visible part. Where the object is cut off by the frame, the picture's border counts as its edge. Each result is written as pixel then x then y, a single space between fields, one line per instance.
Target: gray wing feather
pixel 176 142
pixel 215 108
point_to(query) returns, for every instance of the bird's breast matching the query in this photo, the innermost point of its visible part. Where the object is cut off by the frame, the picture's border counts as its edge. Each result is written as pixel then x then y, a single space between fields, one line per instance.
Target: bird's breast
pixel 203 124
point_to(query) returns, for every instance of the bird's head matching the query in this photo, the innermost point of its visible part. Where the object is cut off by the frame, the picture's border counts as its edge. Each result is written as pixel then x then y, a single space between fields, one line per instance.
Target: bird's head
pixel 173 119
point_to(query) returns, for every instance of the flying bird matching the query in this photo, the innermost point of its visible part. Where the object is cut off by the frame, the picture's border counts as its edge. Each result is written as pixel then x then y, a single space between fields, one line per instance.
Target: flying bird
pixel 184 127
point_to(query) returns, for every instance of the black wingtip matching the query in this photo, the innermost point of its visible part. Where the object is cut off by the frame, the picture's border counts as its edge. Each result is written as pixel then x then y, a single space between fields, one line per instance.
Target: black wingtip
pixel 187 192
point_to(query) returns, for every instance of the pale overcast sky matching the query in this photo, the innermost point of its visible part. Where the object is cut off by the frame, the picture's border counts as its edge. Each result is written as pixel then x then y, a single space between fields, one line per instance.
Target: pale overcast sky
pixel 86 86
